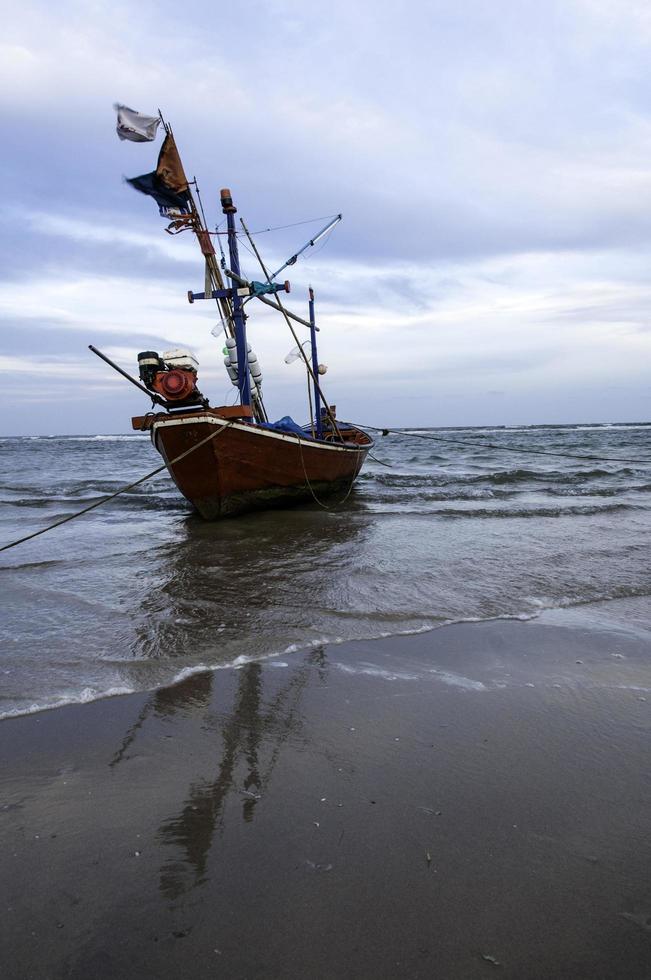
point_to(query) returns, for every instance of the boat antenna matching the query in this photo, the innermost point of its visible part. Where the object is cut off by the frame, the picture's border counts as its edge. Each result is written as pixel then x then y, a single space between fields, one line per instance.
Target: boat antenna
pixel 221 247
pixel 293 258
pixel 310 244
pixel 317 386
pixel 203 213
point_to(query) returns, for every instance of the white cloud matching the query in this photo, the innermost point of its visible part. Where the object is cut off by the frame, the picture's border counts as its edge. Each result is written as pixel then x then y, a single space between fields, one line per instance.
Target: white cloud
pixel 85 231
pixel 493 171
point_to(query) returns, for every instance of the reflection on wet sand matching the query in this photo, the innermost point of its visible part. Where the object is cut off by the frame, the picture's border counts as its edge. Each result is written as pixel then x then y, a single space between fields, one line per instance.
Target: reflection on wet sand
pixel 248 741
pixel 252 736
pixel 165 702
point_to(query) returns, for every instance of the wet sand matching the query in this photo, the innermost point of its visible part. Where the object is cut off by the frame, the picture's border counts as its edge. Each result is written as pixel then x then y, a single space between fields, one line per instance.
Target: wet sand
pixel 470 802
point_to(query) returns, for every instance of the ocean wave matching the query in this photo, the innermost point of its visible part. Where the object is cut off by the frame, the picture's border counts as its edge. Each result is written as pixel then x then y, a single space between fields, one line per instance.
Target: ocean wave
pixel 440 496
pixel 499 477
pixel 32 565
pixel 117 437
pixel 364 571
pixel 618 593
pixel 85 696
pixel 616 491
pixel 372 670
pixel 128 500
pixel 403 495
pixel 579 510
pixel 537 606
pixel 91 486
pixel 522 475
pixel 90 694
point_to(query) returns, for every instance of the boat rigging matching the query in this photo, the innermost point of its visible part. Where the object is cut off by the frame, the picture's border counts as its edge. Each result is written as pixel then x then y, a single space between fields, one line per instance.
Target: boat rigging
pixel 257 463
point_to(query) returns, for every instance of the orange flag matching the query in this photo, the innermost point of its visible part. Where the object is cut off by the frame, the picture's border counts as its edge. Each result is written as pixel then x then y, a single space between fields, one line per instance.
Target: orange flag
pixel 169 168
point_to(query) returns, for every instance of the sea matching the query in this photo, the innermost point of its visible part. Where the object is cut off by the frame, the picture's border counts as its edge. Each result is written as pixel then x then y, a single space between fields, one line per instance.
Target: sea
pixel 443 526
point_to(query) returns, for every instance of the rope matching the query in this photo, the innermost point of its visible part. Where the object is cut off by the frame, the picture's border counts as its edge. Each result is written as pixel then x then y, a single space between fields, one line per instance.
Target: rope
pixel 263 231
pixel 381 461
pixel 309 485
pixel 203 213
pixel 104 500
pixel 322 245
pixel 507 449
pixel 282 309
pixel 374 428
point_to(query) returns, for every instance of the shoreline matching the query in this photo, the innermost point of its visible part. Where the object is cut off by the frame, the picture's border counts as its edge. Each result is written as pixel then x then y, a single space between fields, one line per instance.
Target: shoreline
pixel 584 614
pixel 449 803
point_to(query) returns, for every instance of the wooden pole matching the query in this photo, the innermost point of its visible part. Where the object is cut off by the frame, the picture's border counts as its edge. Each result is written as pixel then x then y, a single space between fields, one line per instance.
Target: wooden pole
pixel 213 271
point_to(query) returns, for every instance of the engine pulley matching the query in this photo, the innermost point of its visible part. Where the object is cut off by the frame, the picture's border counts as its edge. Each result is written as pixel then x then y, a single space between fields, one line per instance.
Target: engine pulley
pixel 175 385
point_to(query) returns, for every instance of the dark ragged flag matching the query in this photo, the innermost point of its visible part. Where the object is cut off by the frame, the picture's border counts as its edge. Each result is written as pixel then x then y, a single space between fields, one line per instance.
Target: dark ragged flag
pixel 167 184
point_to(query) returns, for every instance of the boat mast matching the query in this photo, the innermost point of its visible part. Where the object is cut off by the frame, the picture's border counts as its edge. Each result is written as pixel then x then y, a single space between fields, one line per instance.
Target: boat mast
pixel 315 369
pixel 239 319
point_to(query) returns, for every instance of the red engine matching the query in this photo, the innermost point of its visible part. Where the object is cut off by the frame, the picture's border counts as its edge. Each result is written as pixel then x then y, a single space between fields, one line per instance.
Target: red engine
pixel 176 385
pixel 172 375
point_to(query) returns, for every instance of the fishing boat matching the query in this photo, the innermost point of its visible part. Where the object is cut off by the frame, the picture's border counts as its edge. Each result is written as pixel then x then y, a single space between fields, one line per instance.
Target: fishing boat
pixel 230 459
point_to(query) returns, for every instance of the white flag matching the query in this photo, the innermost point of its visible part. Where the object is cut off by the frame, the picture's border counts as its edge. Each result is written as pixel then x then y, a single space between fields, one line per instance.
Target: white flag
pixel 134 126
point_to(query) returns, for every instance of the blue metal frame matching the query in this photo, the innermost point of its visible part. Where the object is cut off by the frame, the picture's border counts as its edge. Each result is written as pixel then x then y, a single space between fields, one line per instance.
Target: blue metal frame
pixel 315 368
pixel 239 318
pixel 251 289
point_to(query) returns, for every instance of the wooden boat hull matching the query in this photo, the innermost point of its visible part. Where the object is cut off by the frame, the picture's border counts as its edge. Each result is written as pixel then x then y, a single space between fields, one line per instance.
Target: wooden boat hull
pixel 242 467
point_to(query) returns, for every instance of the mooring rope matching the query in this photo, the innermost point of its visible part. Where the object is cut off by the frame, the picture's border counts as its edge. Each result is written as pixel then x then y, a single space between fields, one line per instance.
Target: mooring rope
pixel 338 503
pixel 374 428
pixel 507 449
pixel 111 496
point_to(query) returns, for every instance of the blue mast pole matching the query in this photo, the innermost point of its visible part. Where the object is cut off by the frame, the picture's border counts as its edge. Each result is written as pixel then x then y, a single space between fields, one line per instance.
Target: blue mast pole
pixel 315 368
pixel 243 382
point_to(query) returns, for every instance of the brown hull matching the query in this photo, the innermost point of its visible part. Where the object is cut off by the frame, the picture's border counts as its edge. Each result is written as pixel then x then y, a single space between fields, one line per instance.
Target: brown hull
pixel 243 467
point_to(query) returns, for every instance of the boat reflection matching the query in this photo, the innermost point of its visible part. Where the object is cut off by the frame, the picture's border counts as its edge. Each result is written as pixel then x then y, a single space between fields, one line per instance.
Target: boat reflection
pixel 252 736
pixel 192 693
pixel 247 588
pixel 220 592
pixel 246 736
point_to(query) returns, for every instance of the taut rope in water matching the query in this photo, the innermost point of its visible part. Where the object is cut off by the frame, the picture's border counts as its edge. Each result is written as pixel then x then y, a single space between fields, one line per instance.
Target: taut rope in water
pixel 490 445
pixel 105 500
pixel 375 428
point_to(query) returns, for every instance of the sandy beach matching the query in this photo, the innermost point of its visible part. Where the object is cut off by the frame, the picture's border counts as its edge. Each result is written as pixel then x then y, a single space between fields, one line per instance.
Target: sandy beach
pixel 325 491
pixel 468 802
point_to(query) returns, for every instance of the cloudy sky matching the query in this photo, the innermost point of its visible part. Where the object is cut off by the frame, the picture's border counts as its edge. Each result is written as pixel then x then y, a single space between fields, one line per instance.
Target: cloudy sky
pixel 492 162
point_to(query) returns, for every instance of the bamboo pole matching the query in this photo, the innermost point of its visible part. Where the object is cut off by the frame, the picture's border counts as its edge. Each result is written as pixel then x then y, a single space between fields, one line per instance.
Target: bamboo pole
pixel 200 229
